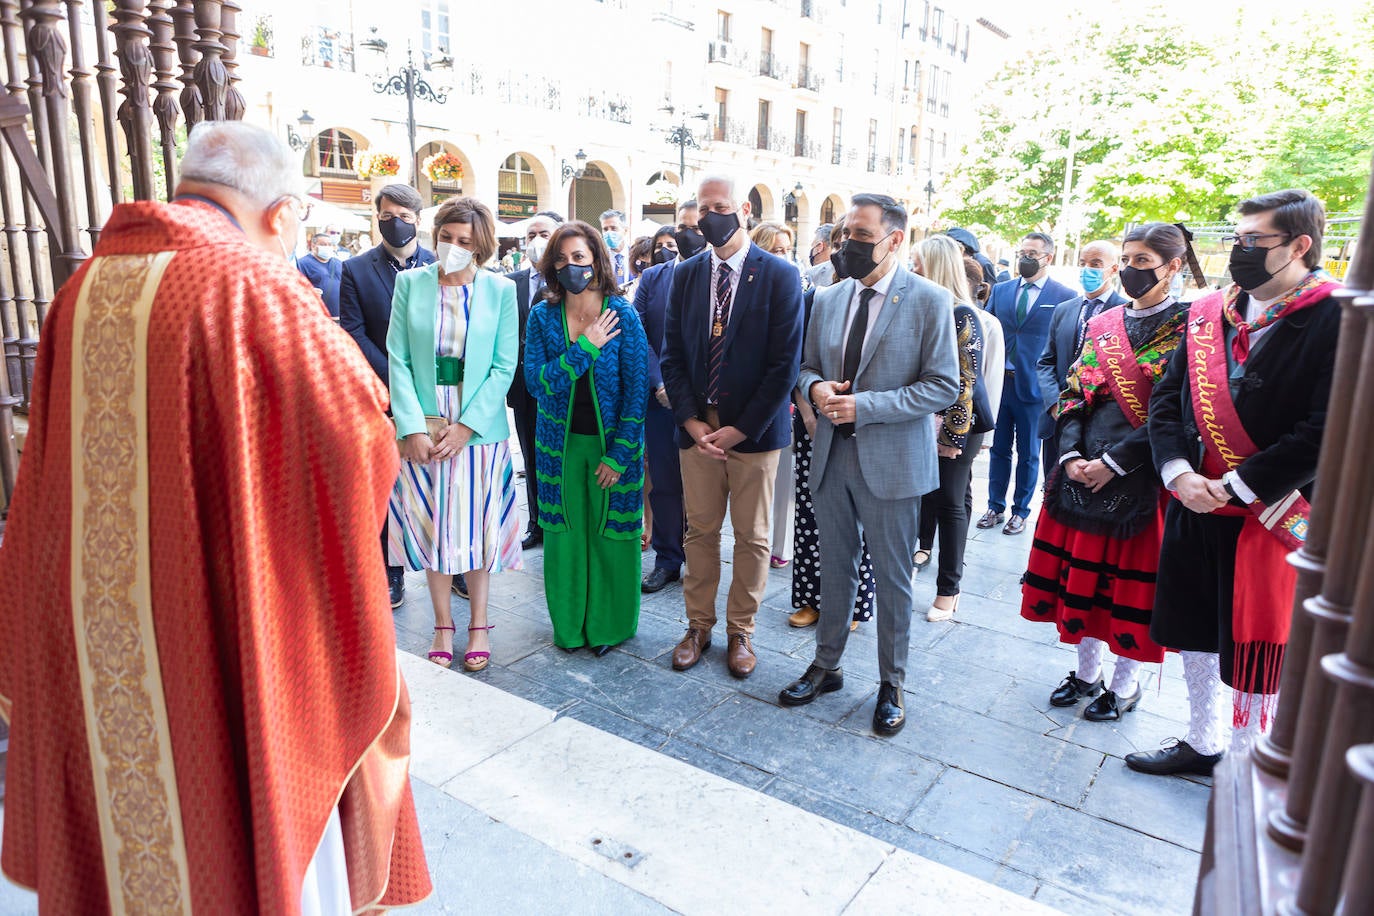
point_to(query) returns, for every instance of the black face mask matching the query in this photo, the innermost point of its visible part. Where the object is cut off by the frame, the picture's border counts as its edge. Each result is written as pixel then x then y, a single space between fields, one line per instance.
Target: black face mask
pixel 397 232
pixel 1248 269
pixel 1028 267
pixel 815 253
pixel 1137 282
pixel 689 242
pixel 664 255
pixel 857 257
pixel 719 228
pixel 837 262
pixel 575 277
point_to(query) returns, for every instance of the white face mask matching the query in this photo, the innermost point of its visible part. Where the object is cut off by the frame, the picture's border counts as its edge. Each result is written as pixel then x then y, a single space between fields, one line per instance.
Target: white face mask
pixel 535 248
pixel 324 253
pixel 455 259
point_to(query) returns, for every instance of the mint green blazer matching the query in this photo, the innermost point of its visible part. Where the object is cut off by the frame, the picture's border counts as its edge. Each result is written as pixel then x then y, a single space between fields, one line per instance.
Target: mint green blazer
pixel 493 347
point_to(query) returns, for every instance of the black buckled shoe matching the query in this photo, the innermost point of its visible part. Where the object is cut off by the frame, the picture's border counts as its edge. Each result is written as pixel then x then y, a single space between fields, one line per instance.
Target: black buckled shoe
pixel 1072 689
pixel 1173 759
pixel 658 580
pixel 813 683
pixel 1110 708
pixel 888 713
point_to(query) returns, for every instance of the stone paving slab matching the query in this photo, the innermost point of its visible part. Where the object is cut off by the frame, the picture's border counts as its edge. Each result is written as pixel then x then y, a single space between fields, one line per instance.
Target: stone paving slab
pixel 977 697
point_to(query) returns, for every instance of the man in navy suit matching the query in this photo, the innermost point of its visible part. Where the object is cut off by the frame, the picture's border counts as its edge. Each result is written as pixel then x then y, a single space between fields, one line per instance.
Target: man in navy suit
pixel 529 290
pixel 365 297
pixel 1098 264
pixel 660 426
pixel 1025 307
pixel 731 352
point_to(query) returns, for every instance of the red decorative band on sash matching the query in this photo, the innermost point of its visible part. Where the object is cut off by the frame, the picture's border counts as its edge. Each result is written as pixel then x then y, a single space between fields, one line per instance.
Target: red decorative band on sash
pixel 1127 382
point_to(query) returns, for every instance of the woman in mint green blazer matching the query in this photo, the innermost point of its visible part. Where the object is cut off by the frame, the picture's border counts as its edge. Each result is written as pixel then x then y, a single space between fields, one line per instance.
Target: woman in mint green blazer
pixel 453 345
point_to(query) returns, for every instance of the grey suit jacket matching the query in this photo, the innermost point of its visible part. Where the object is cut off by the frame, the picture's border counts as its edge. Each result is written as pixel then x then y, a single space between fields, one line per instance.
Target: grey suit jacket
pixel 909 370
pixel 1060 354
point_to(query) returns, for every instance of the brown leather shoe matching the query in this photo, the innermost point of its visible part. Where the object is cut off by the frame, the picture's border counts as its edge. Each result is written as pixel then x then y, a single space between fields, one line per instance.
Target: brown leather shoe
pixel 689 651
pixel 805 616
pixel 739 657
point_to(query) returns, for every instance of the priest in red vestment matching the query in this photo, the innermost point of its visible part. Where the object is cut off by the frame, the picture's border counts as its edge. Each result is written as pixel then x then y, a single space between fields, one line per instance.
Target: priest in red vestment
pixel 196 656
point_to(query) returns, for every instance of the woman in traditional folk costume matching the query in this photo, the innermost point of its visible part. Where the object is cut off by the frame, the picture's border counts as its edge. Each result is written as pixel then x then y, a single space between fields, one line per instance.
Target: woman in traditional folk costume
pixel 1096 551
pixel 453 344
pixel 587 364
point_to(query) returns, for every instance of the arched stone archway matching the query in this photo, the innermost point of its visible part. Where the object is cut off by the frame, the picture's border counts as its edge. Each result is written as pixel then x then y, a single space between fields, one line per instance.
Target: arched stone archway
pixel 762 204
pixel 524 186
pixel 598 190
pixel 661 194
pixel 330 159
pixel 435 192
pixel 832 208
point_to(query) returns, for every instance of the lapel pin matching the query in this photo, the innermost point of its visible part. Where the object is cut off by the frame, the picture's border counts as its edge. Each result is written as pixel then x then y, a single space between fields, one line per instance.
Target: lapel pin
pixel 895 298
pixel 751 279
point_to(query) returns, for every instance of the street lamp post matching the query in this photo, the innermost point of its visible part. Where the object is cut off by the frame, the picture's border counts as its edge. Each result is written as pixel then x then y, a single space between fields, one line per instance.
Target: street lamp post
pixel 681 136
pixel 930 214
pixel 409 81
pixel 301 141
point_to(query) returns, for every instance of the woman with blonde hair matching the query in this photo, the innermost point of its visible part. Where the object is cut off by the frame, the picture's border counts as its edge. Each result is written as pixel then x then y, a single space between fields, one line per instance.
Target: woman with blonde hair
pixel 940 259
pixel 453 343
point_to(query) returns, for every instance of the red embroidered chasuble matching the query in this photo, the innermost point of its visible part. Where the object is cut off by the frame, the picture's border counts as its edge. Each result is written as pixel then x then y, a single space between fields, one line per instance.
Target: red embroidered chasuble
pixel 196 651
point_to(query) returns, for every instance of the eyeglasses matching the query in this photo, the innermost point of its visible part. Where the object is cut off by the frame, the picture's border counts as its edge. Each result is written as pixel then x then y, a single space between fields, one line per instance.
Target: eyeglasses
pixel 299 206
pixel 403 217
pixel 1248 241
pixel 1037 255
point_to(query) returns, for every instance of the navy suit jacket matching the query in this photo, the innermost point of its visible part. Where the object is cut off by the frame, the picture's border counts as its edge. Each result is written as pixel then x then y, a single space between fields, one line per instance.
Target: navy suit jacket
pixel 1060 353
pixel 762 357
pixel 365 302
pixel 1026 339
pixel 651 302
pixel 523 302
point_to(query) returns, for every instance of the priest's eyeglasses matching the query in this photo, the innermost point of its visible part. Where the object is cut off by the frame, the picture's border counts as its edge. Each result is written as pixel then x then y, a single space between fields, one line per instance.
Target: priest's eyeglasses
pixel 1249 241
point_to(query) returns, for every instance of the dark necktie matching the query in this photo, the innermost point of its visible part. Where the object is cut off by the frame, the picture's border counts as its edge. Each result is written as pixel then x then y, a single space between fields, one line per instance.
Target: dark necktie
pixel 720 316
pixel 854 349
pixel 1091 309
pixel 1022 307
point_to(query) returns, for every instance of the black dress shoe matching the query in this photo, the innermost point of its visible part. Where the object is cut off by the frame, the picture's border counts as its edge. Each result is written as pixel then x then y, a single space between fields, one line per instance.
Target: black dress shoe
pixel 569 649
pixel 601 651
pixel 1110 708
pixel 657 580
pixel 533 538
pixel 813 683
pixel 991 519
pixel 1172 759
pixel 1071 690
pixel 396 585
pixel 460 586
pixel 888 715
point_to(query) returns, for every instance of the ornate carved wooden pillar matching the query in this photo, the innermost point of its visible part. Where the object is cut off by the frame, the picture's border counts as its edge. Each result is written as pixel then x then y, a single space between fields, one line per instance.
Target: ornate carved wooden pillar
pixel 1328 614
pixel 184 34
pixel 1357 889
pixel 1274 752
pixel 136 115
pixel 82 87
pixel 165 105
pixel 107 86
pixel 211 76
pixel 48 47
pixel 234 104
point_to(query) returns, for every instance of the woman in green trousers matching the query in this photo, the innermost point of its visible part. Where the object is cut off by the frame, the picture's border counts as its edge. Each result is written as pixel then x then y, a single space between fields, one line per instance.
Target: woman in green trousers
pixel 586 363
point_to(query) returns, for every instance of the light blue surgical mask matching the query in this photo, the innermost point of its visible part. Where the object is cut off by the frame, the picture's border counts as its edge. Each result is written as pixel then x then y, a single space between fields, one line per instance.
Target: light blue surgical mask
pixel 1091 278
pixel 612 239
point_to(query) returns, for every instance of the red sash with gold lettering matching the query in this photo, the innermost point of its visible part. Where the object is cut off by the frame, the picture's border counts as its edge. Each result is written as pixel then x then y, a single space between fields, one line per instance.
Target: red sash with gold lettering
pixel 1261 605
pixel 1128 383
pixel 1224 436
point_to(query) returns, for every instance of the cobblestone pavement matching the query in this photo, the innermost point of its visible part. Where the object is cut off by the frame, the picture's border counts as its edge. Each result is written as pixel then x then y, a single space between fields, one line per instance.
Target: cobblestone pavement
pixel 986 778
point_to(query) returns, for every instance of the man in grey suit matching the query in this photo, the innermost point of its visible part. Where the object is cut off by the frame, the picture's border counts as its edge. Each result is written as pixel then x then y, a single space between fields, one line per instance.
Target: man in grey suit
pixel 879 359
pixel 1097 269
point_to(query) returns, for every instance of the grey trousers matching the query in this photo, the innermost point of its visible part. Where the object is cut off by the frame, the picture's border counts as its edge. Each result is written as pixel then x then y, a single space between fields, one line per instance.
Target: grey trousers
pixel 845 508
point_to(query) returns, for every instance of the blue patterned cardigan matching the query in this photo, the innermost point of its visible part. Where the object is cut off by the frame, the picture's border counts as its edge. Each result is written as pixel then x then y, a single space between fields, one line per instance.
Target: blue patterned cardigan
pixel 620 389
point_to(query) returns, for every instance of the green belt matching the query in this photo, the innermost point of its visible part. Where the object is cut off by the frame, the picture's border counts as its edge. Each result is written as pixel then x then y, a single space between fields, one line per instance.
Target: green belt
pixel 448 370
